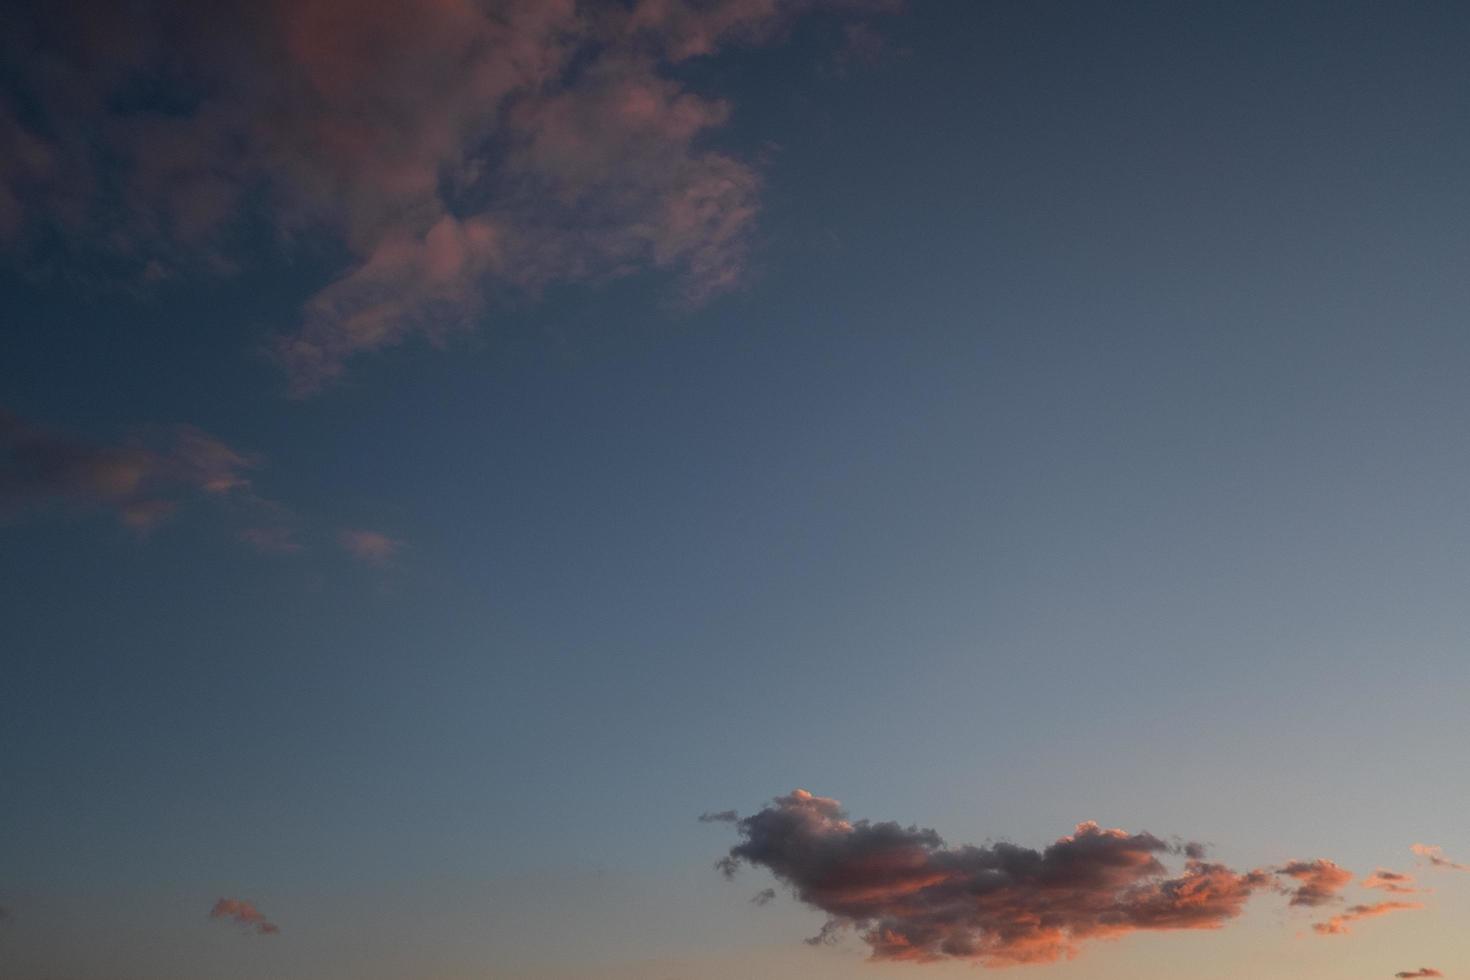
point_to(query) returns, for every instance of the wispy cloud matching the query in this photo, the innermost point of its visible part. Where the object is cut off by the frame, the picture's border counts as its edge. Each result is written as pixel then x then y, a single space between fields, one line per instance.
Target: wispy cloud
pixel 1338 924
pixel 138 481
pixel 272 540
pixel 912 897
pixel 245 914
pixel 373 547
pixel 1434 854
pixel 457 150
pixel 1390 881
pixel 1423 971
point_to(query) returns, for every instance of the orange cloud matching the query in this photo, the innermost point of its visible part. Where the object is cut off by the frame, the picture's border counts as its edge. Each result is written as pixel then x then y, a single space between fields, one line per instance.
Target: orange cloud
pixel 1338 924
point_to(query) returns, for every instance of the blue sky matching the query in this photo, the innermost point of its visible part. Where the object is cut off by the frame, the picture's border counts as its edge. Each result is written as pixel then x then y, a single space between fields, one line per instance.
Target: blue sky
pixel 1072 430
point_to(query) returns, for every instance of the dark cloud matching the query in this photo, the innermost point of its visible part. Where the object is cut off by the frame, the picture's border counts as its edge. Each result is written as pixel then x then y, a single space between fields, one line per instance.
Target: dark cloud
pixel 245 914
pixel 455 151
pixel 911 897
pixel 764 897
pixel 140 481
pixel 719 816
pixel 1423 971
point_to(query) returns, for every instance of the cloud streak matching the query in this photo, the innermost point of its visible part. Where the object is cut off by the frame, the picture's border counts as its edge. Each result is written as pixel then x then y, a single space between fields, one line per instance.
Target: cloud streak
pixel 1390 881
pixel 455 151
pixel 912 897
pixel 1339 924
pixel 1423 971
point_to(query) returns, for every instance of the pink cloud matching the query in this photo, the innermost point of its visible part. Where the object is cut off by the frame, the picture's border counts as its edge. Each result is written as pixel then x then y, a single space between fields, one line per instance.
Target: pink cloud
pixel 1338 924
pixel 459 150
pixel 142 481
pixel 911 897
pixel 1320 881
pixel 372 547
pixel 245 914
pixel 1435 856
pixel 1390 881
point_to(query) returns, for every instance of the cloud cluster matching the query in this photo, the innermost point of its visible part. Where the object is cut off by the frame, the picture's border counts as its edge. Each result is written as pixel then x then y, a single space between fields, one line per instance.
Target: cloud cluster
pixel 141 483
pixel 914 898
pixel 1338 924
pixel 453 150
pixel 245 914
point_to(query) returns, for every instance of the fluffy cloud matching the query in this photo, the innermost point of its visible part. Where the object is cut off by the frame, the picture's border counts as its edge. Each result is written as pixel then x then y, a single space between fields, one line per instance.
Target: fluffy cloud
pixel 245 914
pixel 1435 856
pixel 455 150
pixel 140 483
pixel 1320 881
pixel 1338 924
pixel 911 897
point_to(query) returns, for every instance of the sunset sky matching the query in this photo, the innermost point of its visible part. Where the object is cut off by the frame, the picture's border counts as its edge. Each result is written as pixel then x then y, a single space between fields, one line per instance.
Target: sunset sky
pixel 561 490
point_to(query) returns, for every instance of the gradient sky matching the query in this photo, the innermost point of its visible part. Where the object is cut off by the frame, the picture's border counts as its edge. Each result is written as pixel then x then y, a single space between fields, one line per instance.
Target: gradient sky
pixel 448 447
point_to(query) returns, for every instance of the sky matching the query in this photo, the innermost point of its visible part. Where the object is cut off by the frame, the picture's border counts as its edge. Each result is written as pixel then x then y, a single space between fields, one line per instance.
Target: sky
pixel 677 489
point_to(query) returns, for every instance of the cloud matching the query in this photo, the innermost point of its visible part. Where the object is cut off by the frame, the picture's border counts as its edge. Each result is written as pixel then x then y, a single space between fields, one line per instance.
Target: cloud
pixel 719 816
pixel 912 897
pixel 456 152
pixel 764 897
pixel 140 483
pixel 372 547
pixel 1423 971
pixel 243 913
pixel 1435 856
pixel 1338 924
pixel 1321 880
pixel 270 540
pixel 1390 881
